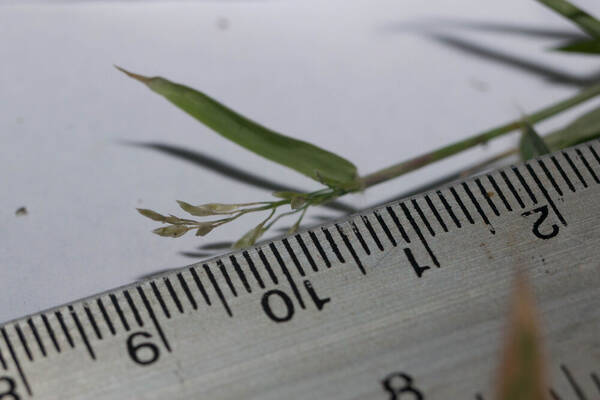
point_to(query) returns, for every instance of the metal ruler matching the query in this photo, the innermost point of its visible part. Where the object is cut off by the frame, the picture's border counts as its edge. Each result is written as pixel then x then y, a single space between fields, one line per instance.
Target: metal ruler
pixel 405 301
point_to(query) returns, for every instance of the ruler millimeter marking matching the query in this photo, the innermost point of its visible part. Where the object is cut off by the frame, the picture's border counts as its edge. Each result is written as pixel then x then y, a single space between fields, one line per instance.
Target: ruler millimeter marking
pixel 142 323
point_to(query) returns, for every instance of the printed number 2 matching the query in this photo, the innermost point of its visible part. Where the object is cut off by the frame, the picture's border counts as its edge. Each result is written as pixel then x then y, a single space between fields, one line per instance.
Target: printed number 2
pixel 8 389
pixel 543 212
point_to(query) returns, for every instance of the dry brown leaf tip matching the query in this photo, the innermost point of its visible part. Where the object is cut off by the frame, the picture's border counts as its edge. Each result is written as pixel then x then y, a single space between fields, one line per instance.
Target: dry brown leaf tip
pixel 138 77
pixel 521 373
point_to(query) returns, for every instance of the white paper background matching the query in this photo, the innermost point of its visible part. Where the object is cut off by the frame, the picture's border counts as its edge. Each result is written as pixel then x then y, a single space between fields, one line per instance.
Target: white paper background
pixel 367 79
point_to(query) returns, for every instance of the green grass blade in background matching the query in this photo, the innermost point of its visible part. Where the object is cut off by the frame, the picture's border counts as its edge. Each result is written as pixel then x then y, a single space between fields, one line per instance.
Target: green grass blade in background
pixel 584 46
pixel 301 156
pixel 584 128
pixel 531 145
pixel 582 19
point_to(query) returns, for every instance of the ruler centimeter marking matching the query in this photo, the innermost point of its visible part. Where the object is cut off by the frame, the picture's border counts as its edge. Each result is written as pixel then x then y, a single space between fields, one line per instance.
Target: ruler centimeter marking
pixel 521 189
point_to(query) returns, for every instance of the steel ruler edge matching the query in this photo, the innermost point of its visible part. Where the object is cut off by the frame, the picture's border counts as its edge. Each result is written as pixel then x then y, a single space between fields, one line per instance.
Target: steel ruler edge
pixel 138 318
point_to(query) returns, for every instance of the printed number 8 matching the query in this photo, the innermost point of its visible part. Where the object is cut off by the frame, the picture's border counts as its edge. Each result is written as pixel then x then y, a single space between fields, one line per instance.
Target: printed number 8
pixel 398 384
pixel 9 393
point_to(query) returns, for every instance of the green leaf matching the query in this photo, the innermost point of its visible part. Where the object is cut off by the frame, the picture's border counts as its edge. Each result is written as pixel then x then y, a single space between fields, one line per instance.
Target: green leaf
pixel 336 184
pixel 584 128
pixel 293 153
pixel 531 145
pixel 582 19
pixel 584 46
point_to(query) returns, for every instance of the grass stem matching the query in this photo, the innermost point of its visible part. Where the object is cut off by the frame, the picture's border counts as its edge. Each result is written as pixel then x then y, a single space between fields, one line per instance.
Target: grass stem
pixel 412 164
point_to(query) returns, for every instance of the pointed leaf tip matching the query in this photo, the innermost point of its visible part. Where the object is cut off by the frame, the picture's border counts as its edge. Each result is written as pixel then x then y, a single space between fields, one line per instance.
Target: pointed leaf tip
pixel 531 145
pixel 296 154
pixel 151 214
pixel 588 47
pixel 138 77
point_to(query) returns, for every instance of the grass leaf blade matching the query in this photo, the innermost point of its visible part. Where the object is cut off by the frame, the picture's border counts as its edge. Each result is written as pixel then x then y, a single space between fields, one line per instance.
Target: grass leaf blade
pixel 301 156
pixel 582 46
pixel 584 128
pixel 582 19
pixel 531 145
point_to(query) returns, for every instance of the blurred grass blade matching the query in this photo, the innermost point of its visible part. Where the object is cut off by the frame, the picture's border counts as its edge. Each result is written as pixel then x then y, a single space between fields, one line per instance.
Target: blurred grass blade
pixel 582 19
pixel 531 145
pixel 287 195
pixel 521 375
pixel 451 149
pixel 584 46
pixel 301 156
pixel 584 128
